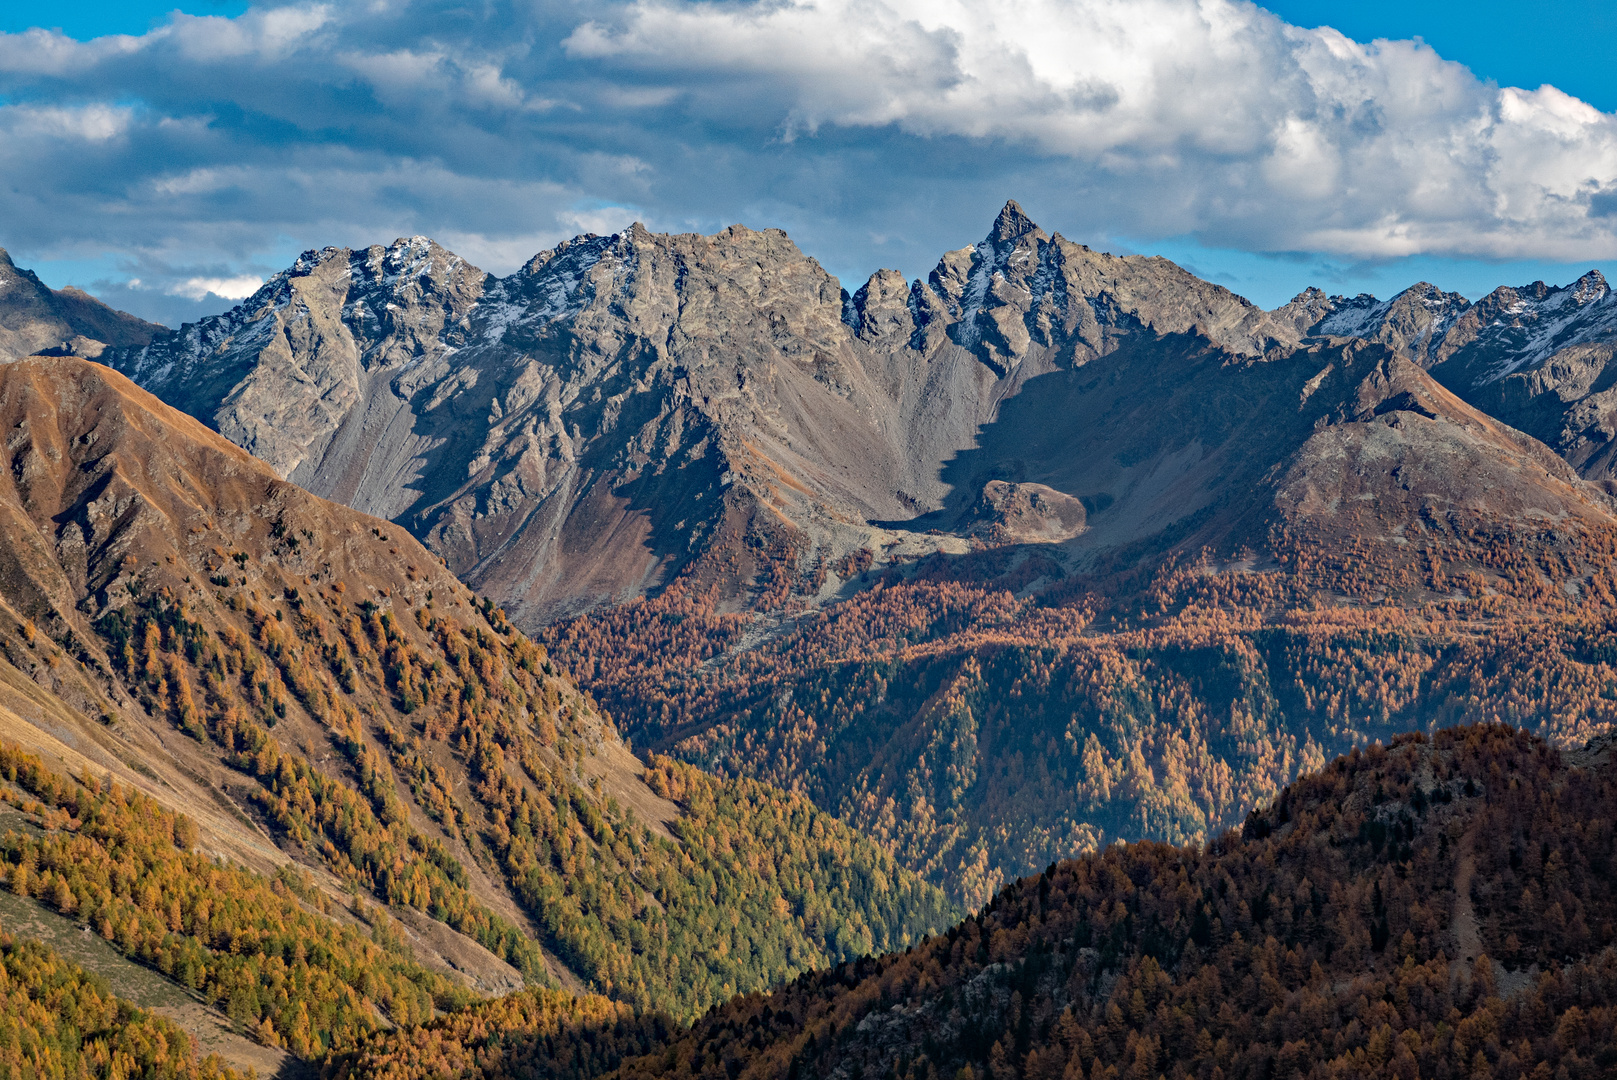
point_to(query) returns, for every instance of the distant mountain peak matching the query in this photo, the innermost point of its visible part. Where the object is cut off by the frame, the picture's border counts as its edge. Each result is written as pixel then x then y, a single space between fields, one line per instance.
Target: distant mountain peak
pixel 1591 286
pixel 1011 224
pixel 34 316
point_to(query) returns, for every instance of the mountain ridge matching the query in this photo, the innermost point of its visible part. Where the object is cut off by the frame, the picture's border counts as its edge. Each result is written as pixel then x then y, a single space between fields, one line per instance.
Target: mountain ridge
pixel 1425 907
pixel 621 408
pixel 34 316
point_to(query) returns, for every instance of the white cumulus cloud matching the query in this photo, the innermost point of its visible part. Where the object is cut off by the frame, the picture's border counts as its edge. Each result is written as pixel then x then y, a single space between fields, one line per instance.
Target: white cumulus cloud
pixel 230 288
pixel 1205 115
pixel 877 132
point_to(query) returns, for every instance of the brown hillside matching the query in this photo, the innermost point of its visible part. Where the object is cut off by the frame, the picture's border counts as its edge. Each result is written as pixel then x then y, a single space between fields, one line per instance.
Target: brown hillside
pixel 309 684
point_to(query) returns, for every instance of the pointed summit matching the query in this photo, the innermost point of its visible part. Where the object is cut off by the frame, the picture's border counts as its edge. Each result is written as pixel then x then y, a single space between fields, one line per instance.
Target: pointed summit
pixel 1591 286
pixel 1011 224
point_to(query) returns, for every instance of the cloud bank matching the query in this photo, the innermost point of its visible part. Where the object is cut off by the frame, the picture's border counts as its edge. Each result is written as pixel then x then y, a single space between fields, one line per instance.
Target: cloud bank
pixel 877 131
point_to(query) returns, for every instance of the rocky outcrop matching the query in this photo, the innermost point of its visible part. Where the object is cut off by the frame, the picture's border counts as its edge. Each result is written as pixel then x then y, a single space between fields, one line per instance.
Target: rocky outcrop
pixel 1026 513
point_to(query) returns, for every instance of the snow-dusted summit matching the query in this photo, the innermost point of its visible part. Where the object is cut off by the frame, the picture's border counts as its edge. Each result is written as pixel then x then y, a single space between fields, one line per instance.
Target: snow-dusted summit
pixel 1536 356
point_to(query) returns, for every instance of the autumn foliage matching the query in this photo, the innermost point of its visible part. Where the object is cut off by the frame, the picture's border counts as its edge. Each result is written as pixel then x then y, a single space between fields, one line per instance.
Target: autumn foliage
pixel 476 726
pixel 983 715
pixel 1439 908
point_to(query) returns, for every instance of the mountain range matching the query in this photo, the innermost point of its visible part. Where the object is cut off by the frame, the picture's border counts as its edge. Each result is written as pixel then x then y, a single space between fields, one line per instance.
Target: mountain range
pixel 824 540
pixel 626 409
pixel 329 624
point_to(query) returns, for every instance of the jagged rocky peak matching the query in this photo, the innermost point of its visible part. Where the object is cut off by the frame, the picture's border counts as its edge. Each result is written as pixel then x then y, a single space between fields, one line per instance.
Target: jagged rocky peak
pixel 881 310
pixel 1412 323
pixel 988 298
pixel 1022 291
pixel 1590 288
pixel 1516 329
pixel 1012 224
pixel 625 407
pixel 654 290
pixel 1508 330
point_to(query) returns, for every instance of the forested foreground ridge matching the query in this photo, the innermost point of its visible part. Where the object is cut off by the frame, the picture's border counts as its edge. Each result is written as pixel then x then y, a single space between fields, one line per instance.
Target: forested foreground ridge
pixel 59 1022
pixel 1437 907
pixel 373 764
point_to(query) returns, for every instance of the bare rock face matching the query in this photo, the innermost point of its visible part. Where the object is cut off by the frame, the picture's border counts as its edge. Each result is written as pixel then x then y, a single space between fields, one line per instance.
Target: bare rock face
pixel 35 317
pixel 281 373
pixel 624 409
pixel 1026 514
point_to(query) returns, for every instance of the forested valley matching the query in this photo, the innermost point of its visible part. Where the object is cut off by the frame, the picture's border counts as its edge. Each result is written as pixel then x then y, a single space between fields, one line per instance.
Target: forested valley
pixel 1436 907
pixel 982 716
pixel 288 762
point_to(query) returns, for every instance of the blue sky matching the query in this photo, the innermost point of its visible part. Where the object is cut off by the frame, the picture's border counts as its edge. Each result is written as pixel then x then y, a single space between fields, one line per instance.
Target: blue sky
pixel 170 169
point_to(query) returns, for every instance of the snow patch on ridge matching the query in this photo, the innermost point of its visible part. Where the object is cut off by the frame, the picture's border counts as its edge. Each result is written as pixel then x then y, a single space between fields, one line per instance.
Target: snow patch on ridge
pixel 985 264
pixel 1357 317
pixel 1536 329
pixel 554 292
